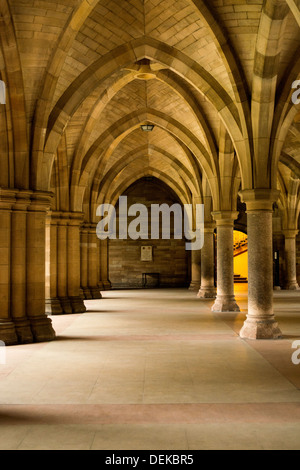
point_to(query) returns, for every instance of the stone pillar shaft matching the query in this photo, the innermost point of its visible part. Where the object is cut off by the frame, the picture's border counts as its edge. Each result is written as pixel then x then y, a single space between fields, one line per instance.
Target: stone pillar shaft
pixel 195 270
pixel 62 266
pixel 36 253
pixel 93 263
pixel 22 267
pixel 104 249
pixel 64 263
pixel 290 259
pixel 7 328
pixel 53 305
pixel 208 290
pixel 225 301
pixel 84 250
pixel 260 323
pixel 18 268
pixel 73 263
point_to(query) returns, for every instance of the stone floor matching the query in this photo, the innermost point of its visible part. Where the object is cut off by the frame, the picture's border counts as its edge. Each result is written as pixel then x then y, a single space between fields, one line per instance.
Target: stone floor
pixel 154 370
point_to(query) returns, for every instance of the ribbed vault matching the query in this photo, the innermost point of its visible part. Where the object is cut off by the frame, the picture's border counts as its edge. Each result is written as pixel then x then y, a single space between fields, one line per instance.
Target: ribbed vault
pixel 76 102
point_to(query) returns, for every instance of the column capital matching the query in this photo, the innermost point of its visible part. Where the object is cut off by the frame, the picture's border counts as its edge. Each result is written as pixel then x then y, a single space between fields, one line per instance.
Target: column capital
pixel 92 228
pixel 225 217
pixel 7 198
pixel 290 233
pixel 23 201
pixel 53 217
pixel 209 227
pixel 259 199
pixel 40 201
pixel 76 218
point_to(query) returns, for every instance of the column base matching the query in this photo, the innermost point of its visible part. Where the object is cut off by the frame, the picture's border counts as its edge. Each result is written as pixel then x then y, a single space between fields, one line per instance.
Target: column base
pixel 95 292
pixel 207 293
pixel 106 285
pixel 277 288
pixel 66 305
pixel 87 293
pixel 194 286
pixel 292 286
pixel 8 333
pixel 23 331
pixel 225 303
pixel 260 329
pixel 77 305
pixel 53 307
pixel 42 330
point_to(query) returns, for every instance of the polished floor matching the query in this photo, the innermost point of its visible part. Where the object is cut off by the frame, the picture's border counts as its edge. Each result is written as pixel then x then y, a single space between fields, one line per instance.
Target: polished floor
pixel 154 370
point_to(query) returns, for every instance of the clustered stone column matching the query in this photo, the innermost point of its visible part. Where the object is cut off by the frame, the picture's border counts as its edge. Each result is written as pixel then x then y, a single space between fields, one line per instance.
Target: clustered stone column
pixel 290 259
pixel 53 305
pixel 260 323
pixel 90 262
pixel 207 289
pixel 22 267
pixel 195 270
pixel 84 265
pixel 63 264
pixel 104 274
pixel 18 267
pixel 225 301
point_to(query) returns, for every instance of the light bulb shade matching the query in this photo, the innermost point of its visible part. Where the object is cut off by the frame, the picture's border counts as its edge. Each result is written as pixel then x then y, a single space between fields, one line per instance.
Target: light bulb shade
pixel 145 72
pixel 147 127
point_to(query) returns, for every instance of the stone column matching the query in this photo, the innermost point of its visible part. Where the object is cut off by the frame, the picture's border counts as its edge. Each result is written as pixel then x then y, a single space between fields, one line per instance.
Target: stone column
pixel 62 266
pixel 84 266
pixel 93 266
pixel 195 270
pixel 277 249
pixel 73 254
pixel 53 305
pixel 100 282
pixel 104 264
pixel 41 326
pixel 260 323
pixel 225 301
pixel 7 327
pixel 290 259
pixel 208 290
pixel 18 267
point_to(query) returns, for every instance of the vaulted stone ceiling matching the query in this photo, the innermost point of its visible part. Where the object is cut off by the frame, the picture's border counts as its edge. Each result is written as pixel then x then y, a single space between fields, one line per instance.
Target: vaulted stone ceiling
pixel 219 96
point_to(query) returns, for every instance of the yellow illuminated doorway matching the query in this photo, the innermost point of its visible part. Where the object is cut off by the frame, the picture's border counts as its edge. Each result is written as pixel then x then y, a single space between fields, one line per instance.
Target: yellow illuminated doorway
pixel 240 260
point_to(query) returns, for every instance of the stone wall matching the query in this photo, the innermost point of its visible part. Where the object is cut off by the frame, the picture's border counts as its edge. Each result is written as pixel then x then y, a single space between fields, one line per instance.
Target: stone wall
pixel 170 259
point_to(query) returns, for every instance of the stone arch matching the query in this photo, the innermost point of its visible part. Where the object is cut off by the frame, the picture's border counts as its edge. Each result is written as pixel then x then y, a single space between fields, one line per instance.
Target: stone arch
pixel 285 113
pixel 144 173
pixel 18 143
pixel 190 179
pixel 98 156
pixel 95 195
pixel 123 56
pixel 45 102
pixel 264 87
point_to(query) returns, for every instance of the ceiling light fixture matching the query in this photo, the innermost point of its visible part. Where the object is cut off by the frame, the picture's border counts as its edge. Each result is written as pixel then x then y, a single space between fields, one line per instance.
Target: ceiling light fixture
pixel 147 127
pixel 144 71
